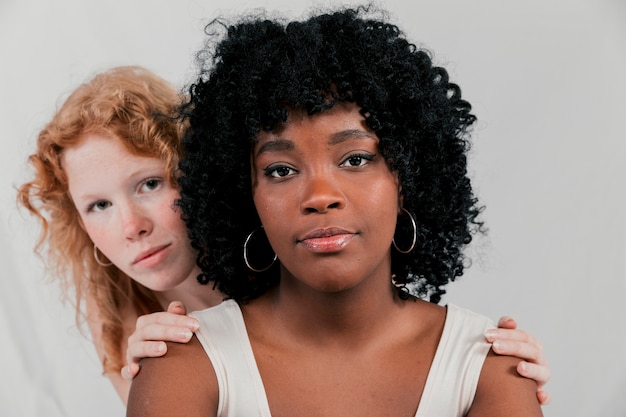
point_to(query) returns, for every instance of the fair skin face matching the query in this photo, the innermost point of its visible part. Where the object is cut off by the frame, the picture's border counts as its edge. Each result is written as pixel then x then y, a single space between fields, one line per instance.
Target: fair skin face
pixel 328 203
pixel 126 206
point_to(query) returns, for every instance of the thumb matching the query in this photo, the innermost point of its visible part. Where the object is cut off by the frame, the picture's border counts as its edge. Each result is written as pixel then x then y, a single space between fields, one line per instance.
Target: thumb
pixel 507 322
pixel 176 307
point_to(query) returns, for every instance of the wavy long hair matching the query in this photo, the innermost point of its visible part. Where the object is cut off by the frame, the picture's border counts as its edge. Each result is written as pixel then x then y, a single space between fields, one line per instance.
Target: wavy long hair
pixel 136 107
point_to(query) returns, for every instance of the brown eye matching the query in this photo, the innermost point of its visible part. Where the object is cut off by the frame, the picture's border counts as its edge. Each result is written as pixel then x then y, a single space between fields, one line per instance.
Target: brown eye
pixel 279 171
pixel 357 160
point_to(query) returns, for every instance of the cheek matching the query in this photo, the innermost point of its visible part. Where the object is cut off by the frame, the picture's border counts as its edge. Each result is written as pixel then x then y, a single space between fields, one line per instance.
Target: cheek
pixel 95 231
pixel 169 216
pixel 262 202
pixel 384 207
pixel 103 237
pixel 274 217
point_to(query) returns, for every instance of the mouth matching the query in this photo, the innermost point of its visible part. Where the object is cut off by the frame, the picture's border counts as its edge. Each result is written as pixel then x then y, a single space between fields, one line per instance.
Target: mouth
pixel 329 240
pixel 325 233
pixel 146 254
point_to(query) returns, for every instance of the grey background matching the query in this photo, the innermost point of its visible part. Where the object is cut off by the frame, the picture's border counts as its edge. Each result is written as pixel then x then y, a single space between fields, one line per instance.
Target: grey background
pixel 546 79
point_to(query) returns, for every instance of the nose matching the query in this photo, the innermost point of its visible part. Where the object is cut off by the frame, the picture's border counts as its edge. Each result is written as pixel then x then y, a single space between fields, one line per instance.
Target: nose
pixel 321 193
pixel 135 222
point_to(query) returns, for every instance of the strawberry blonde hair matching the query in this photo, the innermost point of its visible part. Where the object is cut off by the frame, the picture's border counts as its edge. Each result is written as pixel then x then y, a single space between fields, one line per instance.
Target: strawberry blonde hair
pixel 136 107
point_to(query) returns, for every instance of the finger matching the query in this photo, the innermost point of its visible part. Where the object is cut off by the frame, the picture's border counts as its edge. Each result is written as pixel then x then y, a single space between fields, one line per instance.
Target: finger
pixel 539 373
pixel 507 322
pixel 516 343
pixel 176 307
pixel 161 332
pixel 130 371
pixel 144 349
pixel 167 319
pixel 125 372
pixel 511 335
pixel 543 397
pixel 530 352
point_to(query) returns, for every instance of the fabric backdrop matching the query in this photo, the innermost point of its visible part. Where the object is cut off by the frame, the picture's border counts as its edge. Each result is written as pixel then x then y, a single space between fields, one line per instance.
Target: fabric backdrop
pixel 546 80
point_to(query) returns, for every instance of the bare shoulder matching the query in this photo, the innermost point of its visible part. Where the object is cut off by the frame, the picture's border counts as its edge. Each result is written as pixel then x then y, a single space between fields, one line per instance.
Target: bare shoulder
pixel 503 392
pixel 182 383
pixel 424 313
pixel 425 309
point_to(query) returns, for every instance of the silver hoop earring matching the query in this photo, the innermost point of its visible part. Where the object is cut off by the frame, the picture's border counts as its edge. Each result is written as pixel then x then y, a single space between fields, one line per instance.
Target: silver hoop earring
pixel 414 235
pixel 98 261
pixel 245 254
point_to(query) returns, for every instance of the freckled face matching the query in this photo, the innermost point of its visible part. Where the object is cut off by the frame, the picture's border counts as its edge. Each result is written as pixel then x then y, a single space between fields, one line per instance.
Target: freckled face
pixel 326 198
pixel 126 204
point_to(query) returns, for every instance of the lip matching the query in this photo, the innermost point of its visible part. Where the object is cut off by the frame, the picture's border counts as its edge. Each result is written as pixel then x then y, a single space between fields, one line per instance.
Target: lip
pixel 327 240
pixel 144 255
pixel 326 232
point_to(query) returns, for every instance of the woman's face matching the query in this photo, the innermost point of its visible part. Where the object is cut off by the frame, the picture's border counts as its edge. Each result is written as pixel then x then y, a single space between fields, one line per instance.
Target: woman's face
pixel 326 198
pixel 126 205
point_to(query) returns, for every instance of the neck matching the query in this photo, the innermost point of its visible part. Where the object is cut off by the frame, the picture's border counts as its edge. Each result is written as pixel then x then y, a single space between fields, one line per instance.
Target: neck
pixel 349 316
pixel 191 293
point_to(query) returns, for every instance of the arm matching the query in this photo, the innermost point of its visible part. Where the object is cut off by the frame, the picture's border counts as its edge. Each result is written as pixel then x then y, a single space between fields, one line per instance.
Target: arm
pixel 151 333
pixel 507 340
pixel 181 383
pixel 95 327
pixel 503 392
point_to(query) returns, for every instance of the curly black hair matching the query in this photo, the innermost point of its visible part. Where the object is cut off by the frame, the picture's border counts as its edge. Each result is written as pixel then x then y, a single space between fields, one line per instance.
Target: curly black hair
pixel 263 68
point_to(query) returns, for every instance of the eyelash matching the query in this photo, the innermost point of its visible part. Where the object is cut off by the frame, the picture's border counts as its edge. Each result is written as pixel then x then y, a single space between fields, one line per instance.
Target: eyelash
pixel 272 170
pixel 368 157
pixel 158 180
pixel 91 207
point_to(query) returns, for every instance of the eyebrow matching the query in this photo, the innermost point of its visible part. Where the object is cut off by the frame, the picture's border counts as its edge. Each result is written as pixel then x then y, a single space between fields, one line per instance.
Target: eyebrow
pixel 345 135
pixel 335 139
pixel 275 145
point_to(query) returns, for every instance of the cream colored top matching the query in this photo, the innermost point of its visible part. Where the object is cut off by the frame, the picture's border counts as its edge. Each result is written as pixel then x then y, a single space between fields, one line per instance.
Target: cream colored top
pixel 449 390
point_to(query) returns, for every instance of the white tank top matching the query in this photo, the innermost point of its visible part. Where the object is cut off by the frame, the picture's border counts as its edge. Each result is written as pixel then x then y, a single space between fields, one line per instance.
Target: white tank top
pixel 449 390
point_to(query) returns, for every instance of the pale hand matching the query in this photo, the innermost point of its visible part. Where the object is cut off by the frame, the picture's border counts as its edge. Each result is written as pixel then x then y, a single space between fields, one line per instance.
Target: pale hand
pixel 508 340
pixel 151 333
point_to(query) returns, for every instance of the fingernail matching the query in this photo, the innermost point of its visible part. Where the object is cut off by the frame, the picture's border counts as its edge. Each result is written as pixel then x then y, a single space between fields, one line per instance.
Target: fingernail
pixel 498 346
pixel 523 366
pixel 185 334
pixel 193 325
pixel 491 334
pixel 159 348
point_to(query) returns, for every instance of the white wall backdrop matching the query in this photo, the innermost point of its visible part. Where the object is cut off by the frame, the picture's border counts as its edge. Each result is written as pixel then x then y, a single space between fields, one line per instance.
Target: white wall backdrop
pixel 547 81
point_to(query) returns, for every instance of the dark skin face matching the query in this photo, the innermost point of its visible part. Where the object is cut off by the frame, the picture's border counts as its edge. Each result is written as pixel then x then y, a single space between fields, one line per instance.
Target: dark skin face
pixel 326 198
pixel 329 203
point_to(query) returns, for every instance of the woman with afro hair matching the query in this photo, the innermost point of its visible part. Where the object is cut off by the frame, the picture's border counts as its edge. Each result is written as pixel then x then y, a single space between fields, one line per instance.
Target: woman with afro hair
pixel 324 184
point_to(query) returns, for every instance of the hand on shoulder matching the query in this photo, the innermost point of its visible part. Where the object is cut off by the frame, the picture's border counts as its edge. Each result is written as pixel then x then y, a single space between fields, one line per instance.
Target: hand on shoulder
pixel 157 390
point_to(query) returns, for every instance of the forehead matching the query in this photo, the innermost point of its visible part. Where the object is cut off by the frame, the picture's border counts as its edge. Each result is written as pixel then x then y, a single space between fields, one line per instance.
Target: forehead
pixel 93 147
pixel 104 154
pixel 339 124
